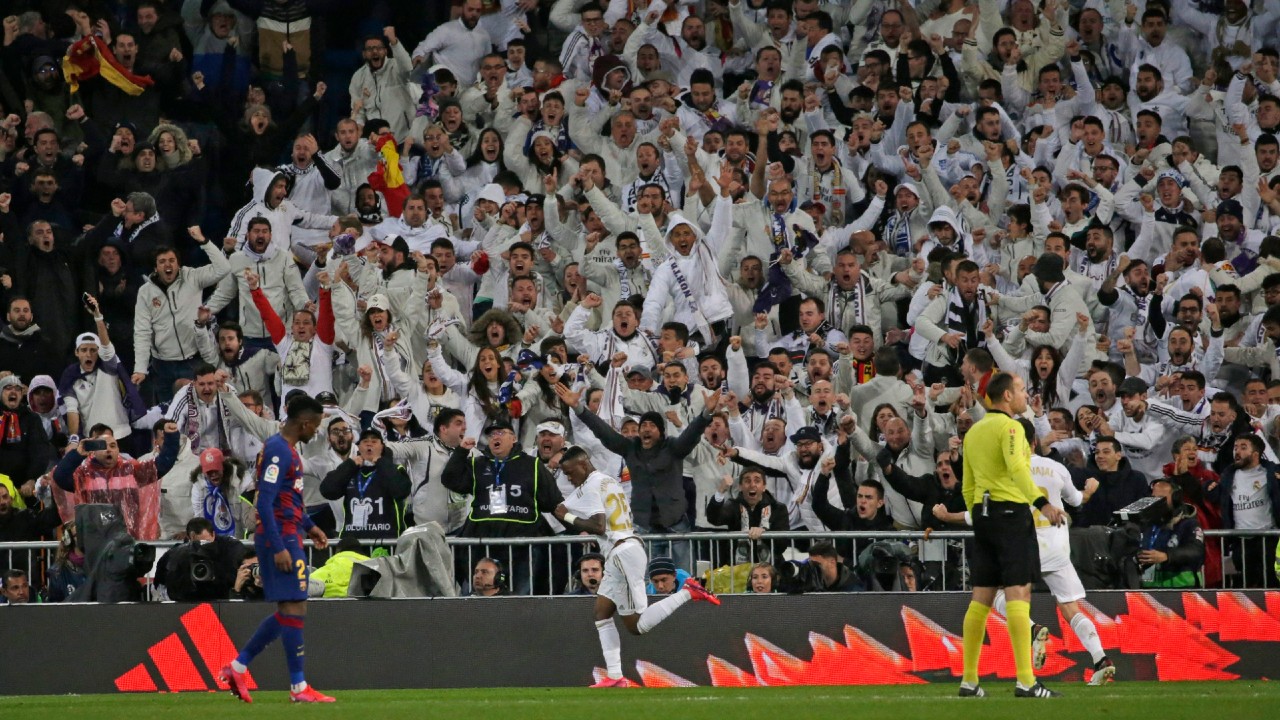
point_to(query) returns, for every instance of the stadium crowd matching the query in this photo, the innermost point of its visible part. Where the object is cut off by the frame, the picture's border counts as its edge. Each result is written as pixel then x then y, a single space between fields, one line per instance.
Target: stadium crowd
pixel 759 259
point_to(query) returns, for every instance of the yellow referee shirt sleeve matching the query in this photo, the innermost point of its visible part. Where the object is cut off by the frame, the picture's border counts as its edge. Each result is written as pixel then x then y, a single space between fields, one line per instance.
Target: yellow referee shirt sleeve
pixel 968 485
pixel 1017 459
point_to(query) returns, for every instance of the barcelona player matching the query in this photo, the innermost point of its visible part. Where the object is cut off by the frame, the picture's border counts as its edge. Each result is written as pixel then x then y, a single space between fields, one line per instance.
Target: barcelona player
pixel 282 523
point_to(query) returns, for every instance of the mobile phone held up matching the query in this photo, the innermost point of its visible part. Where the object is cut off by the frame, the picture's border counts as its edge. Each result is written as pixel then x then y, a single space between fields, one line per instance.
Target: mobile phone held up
pixel 95 445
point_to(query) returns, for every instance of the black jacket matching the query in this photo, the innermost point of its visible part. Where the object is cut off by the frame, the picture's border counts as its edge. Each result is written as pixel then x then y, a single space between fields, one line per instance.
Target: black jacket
pixel 847 519
pixel 28 355
pixel 657 474
pixel 372 498
pixel 529 486
pixel 29 455
pixel 1115 490
pixel 728 512
pixel 805 577
pixel 924 489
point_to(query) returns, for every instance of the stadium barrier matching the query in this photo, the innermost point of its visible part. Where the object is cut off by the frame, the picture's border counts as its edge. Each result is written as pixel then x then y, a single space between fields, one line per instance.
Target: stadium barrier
pixel 824 639
pixel 551 561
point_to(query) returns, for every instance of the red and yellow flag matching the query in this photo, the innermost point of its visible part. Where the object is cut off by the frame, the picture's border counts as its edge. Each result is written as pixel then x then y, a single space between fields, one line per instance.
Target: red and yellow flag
pixel 89 57
pixel 388 179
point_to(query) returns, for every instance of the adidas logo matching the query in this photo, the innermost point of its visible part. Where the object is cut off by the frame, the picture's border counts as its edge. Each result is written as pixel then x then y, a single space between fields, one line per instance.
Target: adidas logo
pixel 173 660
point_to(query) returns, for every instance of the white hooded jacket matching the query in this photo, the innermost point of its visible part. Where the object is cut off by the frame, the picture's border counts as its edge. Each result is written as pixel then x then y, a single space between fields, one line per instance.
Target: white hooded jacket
pixel 702 299
pixel 282 217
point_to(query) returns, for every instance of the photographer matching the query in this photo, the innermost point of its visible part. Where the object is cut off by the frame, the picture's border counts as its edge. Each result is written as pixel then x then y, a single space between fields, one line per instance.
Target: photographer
pixel 248 584
pixel 822 572
pixel 204 568
pixel 1172 547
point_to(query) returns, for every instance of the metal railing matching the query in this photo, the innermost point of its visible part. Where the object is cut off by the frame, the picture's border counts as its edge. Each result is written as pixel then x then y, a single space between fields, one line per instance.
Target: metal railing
pixel 547 565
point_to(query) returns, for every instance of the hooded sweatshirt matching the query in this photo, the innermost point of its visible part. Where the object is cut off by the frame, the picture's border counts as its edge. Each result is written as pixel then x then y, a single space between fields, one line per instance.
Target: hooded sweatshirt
pixel 282 217
pixel 691 284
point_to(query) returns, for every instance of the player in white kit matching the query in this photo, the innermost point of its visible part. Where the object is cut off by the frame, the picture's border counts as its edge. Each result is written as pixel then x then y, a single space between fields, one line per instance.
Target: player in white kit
pixel 599 506
pixel 1055 563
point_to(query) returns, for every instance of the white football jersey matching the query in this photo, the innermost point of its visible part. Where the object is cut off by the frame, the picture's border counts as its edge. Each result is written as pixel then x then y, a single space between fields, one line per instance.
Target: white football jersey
pixel 1055 482
pixel 601 494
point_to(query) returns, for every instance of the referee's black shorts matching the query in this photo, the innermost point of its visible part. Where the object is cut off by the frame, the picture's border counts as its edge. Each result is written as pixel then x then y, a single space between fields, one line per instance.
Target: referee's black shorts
pixel 1005 550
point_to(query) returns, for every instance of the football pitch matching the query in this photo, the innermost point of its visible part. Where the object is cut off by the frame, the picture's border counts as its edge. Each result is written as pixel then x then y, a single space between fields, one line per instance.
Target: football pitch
pixel 1138 700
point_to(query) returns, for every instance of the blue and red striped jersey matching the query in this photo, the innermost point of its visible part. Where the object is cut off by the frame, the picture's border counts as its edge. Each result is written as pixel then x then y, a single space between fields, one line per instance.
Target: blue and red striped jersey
pixel 281 510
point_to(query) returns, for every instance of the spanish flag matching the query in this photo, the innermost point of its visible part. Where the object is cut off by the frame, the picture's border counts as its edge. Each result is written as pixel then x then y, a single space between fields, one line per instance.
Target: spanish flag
pixel 388 179
pixel 89 57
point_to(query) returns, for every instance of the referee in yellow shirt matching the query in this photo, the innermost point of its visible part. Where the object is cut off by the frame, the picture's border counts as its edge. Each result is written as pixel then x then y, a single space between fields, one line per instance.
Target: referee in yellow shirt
pixel 1000 494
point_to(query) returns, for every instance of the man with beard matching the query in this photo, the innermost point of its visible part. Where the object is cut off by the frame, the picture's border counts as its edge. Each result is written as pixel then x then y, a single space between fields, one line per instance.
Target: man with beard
pixel 1183 346
pixel 414 225
pixel 1154 49
pixel 621 277
pixel 1226 419
pixel 306 351
pixel 1100 258
pixel 777 34
pixel 40 270
pixel 952 323
pixel 827 180
pixel 457 45
pixel 700 110
pixel 271 201
pixel 136 224
pixel 1242 244
pixel 249 366
pixel 1130 307
pixel 382 83
pixel 814 331
pixel 851 297
pixel 759 393
pixel 1141 434
pixel 353 159
pixel 1250 499
pixel 797 470
pixel 275 274
pixel 25 350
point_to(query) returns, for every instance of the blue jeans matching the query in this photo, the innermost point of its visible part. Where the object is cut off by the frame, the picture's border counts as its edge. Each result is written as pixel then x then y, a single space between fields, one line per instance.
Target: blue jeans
pixel 680 551
pixel 164 373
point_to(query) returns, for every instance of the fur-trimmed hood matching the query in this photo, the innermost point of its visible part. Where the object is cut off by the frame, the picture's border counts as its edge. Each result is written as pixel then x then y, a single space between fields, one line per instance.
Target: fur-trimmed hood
pixel 479 337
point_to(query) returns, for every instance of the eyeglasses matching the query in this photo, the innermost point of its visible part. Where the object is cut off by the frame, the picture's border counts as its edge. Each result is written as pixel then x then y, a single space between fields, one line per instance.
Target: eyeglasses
pixel 341 431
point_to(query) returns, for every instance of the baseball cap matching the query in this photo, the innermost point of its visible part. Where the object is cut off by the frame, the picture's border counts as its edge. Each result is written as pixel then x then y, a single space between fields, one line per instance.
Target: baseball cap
pixel 1132 386
pixel 814 205
pixel 806 433
pixel 550 426
pixel 499 425
pixel 494 193
pixel 210 459
pixel 377 301
pixel 88 339
pixel 326 397
pixel 369 433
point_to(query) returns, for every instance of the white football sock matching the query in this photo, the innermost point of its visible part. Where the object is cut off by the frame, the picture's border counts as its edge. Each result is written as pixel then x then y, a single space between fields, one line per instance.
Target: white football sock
pixel 660 611
pixel 611 644
pixel 998 604
pixel 298 687
pixel 235 665
pixel 1084 629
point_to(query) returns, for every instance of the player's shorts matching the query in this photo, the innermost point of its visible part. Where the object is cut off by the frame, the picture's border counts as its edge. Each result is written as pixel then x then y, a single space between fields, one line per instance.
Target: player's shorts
pixel 1064 583
pixel 623 580
pixel 280 586
pixel 1005 550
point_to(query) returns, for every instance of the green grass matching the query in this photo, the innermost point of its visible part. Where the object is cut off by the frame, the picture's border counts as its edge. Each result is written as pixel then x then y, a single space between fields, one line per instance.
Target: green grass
pixel 1239 700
